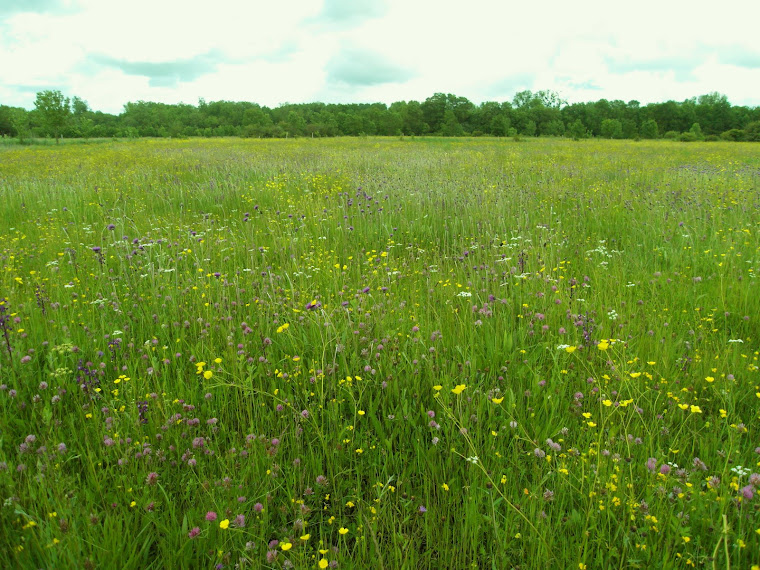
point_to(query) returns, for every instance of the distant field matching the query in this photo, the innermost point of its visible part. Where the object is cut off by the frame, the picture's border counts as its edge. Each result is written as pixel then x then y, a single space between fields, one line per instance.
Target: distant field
pixel 380 353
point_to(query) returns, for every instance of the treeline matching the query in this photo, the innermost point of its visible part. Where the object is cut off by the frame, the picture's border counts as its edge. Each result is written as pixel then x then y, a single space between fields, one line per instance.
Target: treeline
pixel 544 113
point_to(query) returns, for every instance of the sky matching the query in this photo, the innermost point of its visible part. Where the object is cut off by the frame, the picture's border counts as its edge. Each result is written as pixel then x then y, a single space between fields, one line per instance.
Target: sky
pixel 357 51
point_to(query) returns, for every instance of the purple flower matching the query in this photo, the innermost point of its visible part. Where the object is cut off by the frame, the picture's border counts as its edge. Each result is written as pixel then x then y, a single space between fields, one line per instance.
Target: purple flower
pixel 240 521
pixel 211 516
pixel 194 532
pixel 258 507
pixel 748 492
pixel 152 478
pixel 422 509
pixel 651 464
pixel 664 468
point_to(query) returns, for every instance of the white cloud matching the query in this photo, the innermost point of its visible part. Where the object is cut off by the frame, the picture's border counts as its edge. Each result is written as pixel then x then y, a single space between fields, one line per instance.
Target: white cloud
pixel 109 52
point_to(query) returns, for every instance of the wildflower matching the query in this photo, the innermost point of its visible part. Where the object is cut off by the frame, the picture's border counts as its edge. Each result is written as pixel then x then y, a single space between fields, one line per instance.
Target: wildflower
pixel 211 516
pixel 208 374
pixel 343 530
pixel 323 563
pixel 240 521
pixel 497 400
pixel 152 478
pixel 459 389
pixel 225 524
pixel 194 532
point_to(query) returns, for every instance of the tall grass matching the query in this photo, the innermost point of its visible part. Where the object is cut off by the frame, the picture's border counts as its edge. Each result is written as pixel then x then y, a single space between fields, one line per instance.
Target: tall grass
pixel 379 353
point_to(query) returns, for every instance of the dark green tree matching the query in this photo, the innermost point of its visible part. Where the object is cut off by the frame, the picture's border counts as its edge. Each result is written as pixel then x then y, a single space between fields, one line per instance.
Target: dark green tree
pixel 54 111
pixel 577 130
pixel 649 129
pixel 612 129
pixel 752 131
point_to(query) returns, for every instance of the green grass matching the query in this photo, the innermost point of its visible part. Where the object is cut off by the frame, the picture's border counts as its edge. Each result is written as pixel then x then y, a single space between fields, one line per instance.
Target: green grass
pixel 595 303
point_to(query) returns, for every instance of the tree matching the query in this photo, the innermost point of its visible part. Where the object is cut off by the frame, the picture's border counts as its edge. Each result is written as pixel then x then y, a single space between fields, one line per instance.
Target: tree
pixel 54 111
pixel 450 126
pixel 696 130
pixel 612 129
pixel 20 122
pixel 752 131
pixel 649 129
pixel 577 130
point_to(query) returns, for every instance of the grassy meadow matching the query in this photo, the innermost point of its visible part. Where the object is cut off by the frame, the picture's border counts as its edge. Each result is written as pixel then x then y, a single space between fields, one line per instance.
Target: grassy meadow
pixel 380 353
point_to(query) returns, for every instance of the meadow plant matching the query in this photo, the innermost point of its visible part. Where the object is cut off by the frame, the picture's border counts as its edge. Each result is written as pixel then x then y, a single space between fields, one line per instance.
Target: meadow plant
pixel 380 353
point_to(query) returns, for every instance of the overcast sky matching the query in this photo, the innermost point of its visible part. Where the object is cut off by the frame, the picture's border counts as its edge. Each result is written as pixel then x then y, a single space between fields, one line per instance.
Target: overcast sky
pixel 279 51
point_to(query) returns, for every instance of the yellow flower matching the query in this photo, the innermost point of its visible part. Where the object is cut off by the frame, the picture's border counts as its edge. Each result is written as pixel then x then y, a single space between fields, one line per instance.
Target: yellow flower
pixel 283 327
pixel 570 349
pixel 343 530
pixel 361 412
pixel 603 345
pixel 635 374
pixel 438 388
pixel 686 539
pixel 208 374
pixel 497 400
pixel 459 389
pixel 683 406
pixel 323 563
pixel 607 403
pixel 695 410
pixel 710 379
pixel 225 524
pixel 286 546
pixel 306 537
pixel 132 504
pixel 445 487
pixel 218 360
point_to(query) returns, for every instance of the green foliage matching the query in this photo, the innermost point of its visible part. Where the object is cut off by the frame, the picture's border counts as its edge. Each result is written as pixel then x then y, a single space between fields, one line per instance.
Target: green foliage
pixel 54 111
pixel 671 135
pixel 578 130
pixel 649 129
pixel 542 113
pixel 612 129
pixel 733 135
pixel 752 131
pixel 696 130
pixel 529 129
